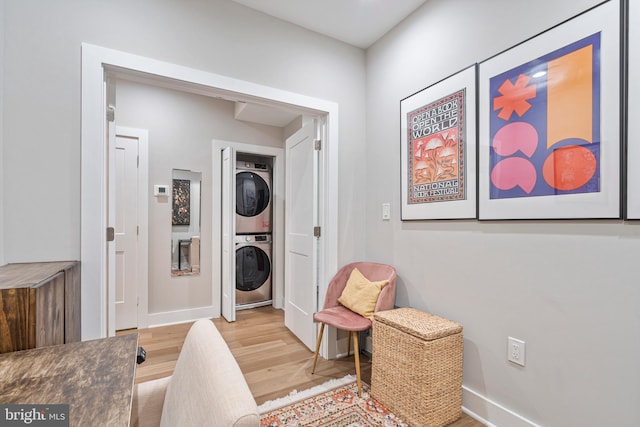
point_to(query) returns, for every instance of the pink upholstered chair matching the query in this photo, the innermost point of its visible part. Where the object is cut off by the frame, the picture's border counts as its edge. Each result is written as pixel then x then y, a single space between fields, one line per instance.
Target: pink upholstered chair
pixel 340 317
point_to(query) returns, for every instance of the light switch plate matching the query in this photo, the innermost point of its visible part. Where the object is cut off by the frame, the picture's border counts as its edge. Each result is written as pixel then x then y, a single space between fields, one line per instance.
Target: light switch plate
pixel 386 211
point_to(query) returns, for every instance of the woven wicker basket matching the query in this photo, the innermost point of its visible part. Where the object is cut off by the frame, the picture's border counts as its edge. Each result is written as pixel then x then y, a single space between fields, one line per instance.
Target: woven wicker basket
pixel 417 366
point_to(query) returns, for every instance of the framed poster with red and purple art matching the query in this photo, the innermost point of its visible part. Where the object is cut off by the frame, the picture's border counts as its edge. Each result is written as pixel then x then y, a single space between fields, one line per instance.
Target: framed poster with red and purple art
pixel 438 149
pixel 549 123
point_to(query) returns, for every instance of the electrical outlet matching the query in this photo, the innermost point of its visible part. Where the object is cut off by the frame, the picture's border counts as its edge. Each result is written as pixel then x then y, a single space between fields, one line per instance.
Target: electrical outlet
pixel 516 351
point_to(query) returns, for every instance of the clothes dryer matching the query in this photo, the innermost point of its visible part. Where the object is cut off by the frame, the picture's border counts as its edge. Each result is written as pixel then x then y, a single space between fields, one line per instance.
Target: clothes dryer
pixel 253 197
pixel 253 270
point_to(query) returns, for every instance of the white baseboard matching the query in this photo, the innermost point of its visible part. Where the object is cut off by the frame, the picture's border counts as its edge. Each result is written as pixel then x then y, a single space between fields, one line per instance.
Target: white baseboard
pixel 491 413
pixel 180 316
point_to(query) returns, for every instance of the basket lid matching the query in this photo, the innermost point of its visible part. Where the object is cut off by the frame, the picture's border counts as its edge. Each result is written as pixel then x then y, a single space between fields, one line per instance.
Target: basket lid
pixel 423 325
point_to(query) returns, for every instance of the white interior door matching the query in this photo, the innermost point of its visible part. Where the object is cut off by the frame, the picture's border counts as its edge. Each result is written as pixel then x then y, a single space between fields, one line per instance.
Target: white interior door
pixel 228 208
pixel 110 259
pixel 126 232
pixel 301 278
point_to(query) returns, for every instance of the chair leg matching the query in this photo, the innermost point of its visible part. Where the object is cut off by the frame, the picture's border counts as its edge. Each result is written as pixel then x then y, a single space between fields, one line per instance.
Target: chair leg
pixel 348 344
pixel 356 353
pixel 315 356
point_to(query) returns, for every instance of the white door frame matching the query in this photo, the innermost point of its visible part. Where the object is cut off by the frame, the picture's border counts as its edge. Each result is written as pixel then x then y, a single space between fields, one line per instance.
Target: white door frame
pixel 142 247
pixel 96 60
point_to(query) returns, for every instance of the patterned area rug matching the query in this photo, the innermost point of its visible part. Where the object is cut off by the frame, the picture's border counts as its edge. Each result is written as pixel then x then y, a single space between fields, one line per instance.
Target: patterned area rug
pixel 337 407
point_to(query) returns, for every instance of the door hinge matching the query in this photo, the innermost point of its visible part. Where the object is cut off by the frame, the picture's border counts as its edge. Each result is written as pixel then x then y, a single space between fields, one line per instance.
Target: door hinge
pixel 137 230
pixel 316 231
pixel 111 113
pixel 138 161
pixel 111 234
pixel 317 144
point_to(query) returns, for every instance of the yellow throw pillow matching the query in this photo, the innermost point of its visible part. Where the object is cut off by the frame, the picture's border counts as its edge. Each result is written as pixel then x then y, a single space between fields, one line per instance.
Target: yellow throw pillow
pixel 360 295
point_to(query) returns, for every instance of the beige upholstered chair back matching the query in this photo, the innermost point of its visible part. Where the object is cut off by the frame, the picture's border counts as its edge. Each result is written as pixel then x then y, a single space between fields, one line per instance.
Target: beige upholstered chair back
pixel 207 387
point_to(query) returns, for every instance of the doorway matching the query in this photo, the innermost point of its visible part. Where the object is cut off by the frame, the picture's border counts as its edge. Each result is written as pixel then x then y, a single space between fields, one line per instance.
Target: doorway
pixel 96 300
pixel 225 252
pixel 298 243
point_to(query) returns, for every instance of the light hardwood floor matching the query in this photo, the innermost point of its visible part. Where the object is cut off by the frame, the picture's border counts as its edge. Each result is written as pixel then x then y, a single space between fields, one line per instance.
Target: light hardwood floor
pixel 272 359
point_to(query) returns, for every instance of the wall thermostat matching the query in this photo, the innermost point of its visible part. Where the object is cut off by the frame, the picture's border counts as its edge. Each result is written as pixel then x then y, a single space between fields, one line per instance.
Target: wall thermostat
pixel 160 190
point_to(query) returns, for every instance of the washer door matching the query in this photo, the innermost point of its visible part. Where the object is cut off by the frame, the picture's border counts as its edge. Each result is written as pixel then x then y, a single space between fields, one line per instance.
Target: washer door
pixel 252 194
pixel 253 268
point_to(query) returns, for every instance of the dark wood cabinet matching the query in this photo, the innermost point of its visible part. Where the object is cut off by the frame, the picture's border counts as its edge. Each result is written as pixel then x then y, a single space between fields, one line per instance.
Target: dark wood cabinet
pixel 39 305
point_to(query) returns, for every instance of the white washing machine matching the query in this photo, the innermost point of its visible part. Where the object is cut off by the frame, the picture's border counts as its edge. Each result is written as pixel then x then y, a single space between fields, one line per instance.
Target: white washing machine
pixel 253 270
pixel 253 197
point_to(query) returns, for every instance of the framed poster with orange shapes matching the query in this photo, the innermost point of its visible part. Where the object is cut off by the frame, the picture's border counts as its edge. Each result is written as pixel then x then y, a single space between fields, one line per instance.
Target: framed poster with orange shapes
pixel 438 149
pixel 549 123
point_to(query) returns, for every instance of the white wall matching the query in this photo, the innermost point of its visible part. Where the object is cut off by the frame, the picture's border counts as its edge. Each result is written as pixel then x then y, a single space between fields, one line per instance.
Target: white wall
pixel 181 129
pixel 569 289
pixel 42 96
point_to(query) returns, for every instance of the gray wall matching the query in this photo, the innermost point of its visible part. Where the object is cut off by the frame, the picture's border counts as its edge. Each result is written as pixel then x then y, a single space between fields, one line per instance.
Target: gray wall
pixel 569 289
pixel 42 97
pixel 181 129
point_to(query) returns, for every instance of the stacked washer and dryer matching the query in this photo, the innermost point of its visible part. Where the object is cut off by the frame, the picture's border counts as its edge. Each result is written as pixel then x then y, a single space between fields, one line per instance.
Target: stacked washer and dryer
pixel 253 233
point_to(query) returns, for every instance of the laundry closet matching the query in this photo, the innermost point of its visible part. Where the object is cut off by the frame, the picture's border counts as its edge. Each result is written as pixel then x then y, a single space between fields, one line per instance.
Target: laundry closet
pixel 253 231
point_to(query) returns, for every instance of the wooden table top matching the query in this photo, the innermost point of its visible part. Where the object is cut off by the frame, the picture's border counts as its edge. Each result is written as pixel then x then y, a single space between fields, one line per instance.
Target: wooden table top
pixel 94 377
pixel 24 275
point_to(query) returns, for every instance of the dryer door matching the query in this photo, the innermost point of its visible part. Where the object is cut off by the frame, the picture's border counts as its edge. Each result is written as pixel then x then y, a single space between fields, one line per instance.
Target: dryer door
pixel 253 207
pixel 252 194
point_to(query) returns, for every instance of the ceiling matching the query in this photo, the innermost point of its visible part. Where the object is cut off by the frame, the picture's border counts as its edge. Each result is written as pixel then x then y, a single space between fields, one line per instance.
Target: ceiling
pixel 357 22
